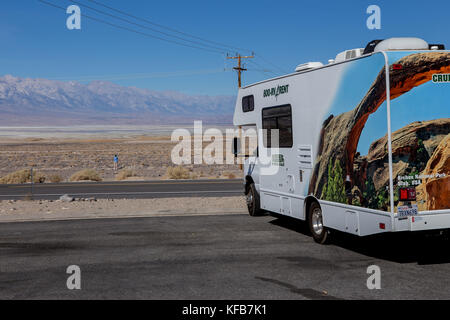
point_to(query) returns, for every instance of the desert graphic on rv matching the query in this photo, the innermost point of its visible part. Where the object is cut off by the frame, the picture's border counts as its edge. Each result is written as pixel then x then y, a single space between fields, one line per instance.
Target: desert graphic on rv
pixel 350 146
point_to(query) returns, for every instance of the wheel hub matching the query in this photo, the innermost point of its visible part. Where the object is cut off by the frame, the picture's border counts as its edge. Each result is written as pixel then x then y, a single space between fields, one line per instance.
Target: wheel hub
pixel 249 199
pixel 316 220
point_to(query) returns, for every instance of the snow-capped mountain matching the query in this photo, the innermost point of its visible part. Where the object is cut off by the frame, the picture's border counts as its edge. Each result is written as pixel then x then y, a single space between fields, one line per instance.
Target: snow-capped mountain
pixel 44 102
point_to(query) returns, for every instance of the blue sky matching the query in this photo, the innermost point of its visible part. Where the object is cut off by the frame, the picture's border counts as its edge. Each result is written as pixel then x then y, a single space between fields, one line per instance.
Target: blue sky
pixel 36 42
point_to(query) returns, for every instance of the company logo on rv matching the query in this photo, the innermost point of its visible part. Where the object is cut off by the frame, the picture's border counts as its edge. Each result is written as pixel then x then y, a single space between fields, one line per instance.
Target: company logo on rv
pixel 440 78
pixel 275 91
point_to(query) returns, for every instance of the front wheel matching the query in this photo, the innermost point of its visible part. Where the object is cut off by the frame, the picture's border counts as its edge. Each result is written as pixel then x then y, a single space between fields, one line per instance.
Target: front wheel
pixel 319 232
pixel 252 199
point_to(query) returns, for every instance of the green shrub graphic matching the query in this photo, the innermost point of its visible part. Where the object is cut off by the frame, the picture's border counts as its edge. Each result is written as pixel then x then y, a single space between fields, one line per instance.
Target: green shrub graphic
pixel 334 189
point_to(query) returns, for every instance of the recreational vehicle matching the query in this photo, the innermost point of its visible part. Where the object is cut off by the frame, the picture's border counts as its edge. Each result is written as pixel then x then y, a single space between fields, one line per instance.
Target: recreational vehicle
pixel 362 143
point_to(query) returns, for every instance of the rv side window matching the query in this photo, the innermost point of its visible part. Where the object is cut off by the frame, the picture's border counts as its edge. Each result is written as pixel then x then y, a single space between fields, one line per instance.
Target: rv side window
pixel 278 118
pixel 248 104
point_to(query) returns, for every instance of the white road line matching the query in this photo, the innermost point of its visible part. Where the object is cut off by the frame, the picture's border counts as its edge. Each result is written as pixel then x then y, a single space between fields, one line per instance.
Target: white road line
pixel 132 216
pixel 121 193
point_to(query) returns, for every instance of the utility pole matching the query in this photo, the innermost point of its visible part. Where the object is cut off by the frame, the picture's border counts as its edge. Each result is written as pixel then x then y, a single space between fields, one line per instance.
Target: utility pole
pixel 239 68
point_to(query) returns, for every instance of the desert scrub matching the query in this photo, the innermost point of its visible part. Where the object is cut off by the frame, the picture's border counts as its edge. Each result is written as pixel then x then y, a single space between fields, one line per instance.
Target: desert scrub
pixel 124 174
pixel 22 176
pixel 86 175
pixel 178 172
pixel 229 175
pixel 55 178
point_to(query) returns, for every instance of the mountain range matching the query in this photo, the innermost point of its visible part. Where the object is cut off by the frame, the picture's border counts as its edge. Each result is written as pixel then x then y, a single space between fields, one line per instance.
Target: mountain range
pixel 41 102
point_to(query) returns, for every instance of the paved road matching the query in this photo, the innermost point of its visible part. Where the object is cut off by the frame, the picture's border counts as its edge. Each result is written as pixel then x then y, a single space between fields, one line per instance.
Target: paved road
pixel 212 257
pixel 133 190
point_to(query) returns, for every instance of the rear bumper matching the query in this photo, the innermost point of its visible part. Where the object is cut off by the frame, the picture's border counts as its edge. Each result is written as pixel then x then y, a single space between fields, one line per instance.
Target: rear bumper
pixel 431 220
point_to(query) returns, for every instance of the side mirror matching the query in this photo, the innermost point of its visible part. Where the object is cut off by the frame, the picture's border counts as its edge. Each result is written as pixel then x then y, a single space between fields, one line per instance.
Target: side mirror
pixel 236 146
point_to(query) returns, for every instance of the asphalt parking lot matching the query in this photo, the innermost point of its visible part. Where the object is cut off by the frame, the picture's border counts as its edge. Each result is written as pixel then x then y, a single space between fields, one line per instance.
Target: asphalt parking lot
pixel 213 257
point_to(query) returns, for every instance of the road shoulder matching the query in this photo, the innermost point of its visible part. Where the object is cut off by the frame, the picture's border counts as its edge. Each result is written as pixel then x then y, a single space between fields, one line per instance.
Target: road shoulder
pixel 45 210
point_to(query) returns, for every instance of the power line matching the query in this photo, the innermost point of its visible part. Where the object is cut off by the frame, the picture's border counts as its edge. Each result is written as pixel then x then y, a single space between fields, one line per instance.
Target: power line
pixel 132 30
pixel 261 68
pixel 197 45
pixel 167 28
pixel 186 34
pixel 263 71
pixel 273 65
pixel 145 27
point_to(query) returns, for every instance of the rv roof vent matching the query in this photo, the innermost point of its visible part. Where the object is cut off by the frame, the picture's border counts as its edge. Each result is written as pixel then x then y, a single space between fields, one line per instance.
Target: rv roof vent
pixel 308 66
pixel 349 54
pixel 436 46
pixel 401 44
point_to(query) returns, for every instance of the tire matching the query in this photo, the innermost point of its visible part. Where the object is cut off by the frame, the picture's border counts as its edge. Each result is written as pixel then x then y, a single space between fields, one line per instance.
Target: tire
pixel 252 199
pixel 319 232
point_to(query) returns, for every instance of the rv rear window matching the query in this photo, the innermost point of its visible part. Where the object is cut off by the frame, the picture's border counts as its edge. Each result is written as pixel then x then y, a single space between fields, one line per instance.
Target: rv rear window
pixel 248 104
pixel 278 118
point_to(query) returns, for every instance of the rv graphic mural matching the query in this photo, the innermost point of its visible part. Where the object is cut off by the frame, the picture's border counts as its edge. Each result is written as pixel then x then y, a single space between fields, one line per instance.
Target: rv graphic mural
pixel 349 170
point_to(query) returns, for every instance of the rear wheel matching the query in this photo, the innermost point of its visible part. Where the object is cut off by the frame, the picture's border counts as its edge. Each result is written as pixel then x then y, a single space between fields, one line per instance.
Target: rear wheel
pixel 252 199
pixel 319 232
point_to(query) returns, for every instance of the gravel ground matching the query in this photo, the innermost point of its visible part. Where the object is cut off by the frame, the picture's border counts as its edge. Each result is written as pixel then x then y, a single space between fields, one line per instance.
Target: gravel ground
pixel 23 210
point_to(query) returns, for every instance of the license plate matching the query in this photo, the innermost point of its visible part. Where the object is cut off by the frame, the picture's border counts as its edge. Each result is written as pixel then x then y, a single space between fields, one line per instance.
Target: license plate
pixel 404 211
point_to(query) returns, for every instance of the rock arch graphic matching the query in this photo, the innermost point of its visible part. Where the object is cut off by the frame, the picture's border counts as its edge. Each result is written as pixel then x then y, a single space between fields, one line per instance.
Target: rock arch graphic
pixel 340 135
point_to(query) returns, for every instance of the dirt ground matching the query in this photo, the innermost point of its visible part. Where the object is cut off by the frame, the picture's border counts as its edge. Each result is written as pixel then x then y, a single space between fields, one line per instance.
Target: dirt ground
pixel 39 210
pixel 148 157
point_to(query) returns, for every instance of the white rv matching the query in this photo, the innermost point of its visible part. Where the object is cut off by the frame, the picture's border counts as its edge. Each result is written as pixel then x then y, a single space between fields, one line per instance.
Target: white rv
pixel 363 142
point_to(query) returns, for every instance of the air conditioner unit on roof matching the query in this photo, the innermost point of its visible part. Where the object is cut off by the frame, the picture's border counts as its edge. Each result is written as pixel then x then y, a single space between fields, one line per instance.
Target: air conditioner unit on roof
pixel 308 66
pixel 349 54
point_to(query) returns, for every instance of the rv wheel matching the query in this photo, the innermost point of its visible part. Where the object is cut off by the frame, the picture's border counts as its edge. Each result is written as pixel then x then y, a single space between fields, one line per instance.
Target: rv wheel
pixel 315 220
pixel 252 199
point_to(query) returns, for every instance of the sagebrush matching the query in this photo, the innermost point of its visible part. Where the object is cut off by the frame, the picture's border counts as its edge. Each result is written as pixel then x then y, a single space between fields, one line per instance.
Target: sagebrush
pixel 22 176
pixel 124 174
pixel 86 175
pixel 178 172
